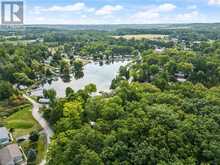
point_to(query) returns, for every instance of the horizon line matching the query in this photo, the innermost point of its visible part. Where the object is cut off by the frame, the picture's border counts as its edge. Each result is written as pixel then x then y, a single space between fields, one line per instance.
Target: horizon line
pixel 115 24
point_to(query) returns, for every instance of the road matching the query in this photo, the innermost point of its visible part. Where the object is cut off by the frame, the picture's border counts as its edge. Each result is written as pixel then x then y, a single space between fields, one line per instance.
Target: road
pixel 39 118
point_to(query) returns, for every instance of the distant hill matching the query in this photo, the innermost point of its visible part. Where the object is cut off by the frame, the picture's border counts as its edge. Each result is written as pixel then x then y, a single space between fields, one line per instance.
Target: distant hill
pixel 196 26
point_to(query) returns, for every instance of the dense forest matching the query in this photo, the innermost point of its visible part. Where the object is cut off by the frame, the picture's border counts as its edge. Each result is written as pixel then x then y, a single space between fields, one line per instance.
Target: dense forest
pixel 21 65
pixel 138 124
pixel 182 31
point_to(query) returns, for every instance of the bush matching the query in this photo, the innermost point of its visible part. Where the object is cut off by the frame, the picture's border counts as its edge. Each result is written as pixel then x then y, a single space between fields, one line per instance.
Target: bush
pixel 34 136
pixel 6 90
pixel 31 155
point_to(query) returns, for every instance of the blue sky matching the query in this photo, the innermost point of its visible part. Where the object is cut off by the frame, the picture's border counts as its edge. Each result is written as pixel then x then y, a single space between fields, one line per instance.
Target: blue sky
pixel 121 11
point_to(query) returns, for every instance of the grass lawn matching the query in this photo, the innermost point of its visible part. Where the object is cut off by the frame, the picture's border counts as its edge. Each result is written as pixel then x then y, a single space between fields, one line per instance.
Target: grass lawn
pixel 7 108
pixel 22 122
pixel 19 117
pixel 41 148
pixel 142 36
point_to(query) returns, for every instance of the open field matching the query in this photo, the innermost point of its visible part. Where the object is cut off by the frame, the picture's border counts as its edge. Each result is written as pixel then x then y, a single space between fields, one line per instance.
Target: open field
pixel 142 36
pixel 22 122
pixel 16 42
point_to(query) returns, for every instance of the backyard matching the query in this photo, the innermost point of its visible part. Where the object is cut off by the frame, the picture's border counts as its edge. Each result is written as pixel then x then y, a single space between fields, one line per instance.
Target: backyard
pixel 22 122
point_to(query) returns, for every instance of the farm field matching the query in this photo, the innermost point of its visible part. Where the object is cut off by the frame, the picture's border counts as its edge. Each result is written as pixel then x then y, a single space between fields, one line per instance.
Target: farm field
pixel 16 42
pixel 143 36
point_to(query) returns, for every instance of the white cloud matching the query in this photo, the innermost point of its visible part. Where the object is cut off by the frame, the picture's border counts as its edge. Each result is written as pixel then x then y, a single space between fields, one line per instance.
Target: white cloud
pixel 152 14
pixel 214 2
pixel 108 9
pixel 188 17
pixel 166 7
pixel 68 8
pixel 84 14
pixel 75 7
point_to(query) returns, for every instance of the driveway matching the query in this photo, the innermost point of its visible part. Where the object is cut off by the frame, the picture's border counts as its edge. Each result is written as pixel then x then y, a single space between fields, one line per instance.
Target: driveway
pixel 39 118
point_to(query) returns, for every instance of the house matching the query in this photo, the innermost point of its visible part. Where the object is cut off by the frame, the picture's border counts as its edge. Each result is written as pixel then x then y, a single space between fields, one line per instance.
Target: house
pixel 181 80
pixel 22 87
pixel 92 123
pixel 44 101
pixel 12 155
pixel 180 77
pixel 159 50
pixel 4 136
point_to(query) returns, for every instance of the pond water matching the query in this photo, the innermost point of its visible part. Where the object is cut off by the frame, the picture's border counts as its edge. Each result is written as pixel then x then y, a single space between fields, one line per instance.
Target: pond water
pixel 101 75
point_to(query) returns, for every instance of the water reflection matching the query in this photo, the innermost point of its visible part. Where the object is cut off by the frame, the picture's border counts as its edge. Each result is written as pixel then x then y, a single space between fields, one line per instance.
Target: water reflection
pixel 99 73
pixel 66 78
pixel 78 75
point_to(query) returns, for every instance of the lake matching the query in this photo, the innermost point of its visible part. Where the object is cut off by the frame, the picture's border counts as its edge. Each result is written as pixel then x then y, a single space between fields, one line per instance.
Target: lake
pixel 101 75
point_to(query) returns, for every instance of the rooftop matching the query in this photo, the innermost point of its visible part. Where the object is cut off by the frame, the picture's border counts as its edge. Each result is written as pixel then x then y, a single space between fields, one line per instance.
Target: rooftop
pixel 9 153
pixel 44 101
pixel 4 133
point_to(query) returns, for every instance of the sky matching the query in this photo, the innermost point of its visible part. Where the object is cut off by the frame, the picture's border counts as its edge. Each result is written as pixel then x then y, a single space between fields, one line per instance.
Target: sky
pixel 121 11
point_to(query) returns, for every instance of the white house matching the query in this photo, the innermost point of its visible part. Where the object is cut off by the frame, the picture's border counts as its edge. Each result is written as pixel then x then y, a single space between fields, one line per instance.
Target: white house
pixel 44 101
pixel 180 77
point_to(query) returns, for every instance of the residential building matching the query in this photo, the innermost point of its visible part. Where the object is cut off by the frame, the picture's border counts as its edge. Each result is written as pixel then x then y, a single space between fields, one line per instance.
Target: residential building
pixel 12 155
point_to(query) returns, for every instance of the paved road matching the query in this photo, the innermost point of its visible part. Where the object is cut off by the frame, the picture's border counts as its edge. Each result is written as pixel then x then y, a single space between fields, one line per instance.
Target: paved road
pixel 39 118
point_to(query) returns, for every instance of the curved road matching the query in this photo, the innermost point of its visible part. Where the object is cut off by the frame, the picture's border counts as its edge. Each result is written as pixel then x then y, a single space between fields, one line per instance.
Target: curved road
pixel 39 118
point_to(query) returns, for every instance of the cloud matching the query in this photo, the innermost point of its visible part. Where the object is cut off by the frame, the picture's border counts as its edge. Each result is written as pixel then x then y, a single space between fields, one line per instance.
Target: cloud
pixel 188 17
pixel 152 14
pixel 86 14
pixel 67 8
pixel 214 2
pixel 108 9
pixel 166 7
